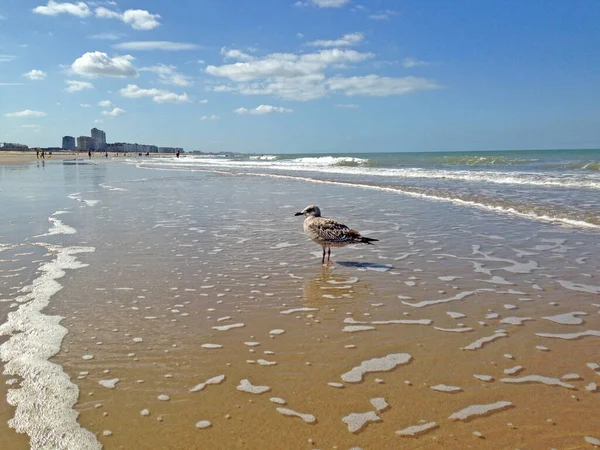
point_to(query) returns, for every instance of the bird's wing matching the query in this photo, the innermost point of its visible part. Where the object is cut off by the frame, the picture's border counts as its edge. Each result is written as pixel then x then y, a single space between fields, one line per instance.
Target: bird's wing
pixel 332 231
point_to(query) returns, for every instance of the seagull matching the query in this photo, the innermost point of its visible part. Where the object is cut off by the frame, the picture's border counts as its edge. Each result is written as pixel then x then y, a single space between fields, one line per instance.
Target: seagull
pixel 329 232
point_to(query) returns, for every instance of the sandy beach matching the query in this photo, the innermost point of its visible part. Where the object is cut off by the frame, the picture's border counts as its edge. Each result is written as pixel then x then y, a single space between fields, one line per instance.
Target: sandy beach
pixel 205 319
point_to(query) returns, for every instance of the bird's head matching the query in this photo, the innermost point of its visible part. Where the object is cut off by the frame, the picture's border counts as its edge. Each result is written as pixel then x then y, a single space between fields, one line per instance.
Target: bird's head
pixel 310 210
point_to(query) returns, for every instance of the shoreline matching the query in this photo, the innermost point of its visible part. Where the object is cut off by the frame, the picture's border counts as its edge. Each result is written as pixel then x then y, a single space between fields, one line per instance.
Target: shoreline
pixel 9 158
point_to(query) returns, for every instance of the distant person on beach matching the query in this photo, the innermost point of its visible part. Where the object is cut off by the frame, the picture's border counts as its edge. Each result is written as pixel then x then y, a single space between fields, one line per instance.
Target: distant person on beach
pixel 37 154
pixel 90 154
pixel 106 155
pixel 43 155
pixel 178 154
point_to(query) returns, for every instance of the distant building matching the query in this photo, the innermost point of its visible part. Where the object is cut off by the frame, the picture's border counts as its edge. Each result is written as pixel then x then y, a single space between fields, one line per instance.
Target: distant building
pixel 68 143
pixel 99 138
pixel 85 144
pixel 13 145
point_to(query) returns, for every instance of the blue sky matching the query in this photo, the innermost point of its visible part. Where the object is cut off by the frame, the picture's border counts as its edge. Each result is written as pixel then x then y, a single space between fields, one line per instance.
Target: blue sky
pixel 303 76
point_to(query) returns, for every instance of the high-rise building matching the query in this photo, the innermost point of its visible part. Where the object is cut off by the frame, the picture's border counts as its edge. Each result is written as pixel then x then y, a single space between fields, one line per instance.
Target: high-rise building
pixel 85 143
pixel 68 143
pixel 99 138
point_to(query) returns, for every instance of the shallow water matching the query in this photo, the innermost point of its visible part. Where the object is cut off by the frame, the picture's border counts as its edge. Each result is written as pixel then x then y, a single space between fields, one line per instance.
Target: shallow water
pixel 179 254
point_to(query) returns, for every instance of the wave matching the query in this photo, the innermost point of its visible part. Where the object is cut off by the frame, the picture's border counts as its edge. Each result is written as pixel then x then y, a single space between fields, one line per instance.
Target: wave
pixel 328 161
pixel 264 157
pixel 364 167
pixel 488 160
pixel 521 210
pixel 46 415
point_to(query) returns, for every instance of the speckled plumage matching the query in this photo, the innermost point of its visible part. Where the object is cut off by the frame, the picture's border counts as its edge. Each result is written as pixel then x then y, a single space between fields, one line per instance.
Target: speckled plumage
pixel 329 232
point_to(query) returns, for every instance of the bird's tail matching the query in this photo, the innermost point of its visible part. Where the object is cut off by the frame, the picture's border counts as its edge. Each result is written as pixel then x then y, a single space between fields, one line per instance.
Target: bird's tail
pixel 366 240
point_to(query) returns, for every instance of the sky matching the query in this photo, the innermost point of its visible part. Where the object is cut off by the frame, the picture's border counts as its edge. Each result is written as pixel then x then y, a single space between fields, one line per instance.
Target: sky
pixel 300 76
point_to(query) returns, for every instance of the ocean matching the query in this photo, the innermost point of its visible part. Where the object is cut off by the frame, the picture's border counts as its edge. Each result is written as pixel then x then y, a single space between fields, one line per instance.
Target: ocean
pixel 156 302
pixel 558 185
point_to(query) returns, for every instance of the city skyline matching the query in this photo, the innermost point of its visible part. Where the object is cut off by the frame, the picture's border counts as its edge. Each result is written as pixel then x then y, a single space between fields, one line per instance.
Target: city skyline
pixel 289 76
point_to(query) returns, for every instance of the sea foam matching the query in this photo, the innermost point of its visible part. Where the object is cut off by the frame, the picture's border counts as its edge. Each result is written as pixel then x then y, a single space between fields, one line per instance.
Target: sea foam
pixel 47 416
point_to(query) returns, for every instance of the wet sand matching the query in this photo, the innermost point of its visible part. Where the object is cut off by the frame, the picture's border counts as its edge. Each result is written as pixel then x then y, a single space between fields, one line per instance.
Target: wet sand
pixel 167 272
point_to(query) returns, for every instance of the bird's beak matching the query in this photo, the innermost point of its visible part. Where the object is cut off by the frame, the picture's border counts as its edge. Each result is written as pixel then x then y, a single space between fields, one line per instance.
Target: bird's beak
pixel 299 214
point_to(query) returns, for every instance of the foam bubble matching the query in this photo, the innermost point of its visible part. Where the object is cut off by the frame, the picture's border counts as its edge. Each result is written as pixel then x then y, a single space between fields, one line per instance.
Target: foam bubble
pixel 569 318
pixel 479 343
pixel 513 370
pixel 579 287
pixel 474 411
pixel 548 381
pixel 229 327
pixel 214 380
pixel 425 303
pixel 357 421
pixel 417 430
pixel 109 384
pixel 357 328
pixel 383 364
pixel 515 320
pixel 211 346
pixel 336 385
pixel 278 400
pixel 454 330
pixel 294 310
pixel 379 404
pixel 570 336
pixel 455 315
pixel 163 398
pixel 264 362
pixel 446 388
pixel 308 418
pixel 486 378
pixel 203 424
pixel 246 386
pixel 592 440
pixel 276 332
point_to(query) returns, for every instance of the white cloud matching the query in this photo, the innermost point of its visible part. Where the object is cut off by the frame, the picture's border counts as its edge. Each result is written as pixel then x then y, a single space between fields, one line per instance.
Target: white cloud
pixel 346 40
pixel 168 75
pixel 412 62
pixel 376 86
pixel 347 105
pixel 106 104
pixel 85 105
pixel 106 36
pixel 76 86
pixel 285 75
pixel 53 8
pixel 203 101
pixel 286 65
pixel 211 117
pixel 139 19
pixel 98 121
pixel 155 45
pixel 35 74
pixel 31 126
pixel 114 113
pixel 323 3
pixel 157 95
pixel 26 113
pixel 98 63
pixel 2 17
pixel 11 84
pixel 6 58
pixel 263 109
pixel 237 55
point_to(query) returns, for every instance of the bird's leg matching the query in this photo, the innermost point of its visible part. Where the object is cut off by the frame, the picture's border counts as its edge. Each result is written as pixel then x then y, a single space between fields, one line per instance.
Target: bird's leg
pixel 328 253
pixel 323 260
